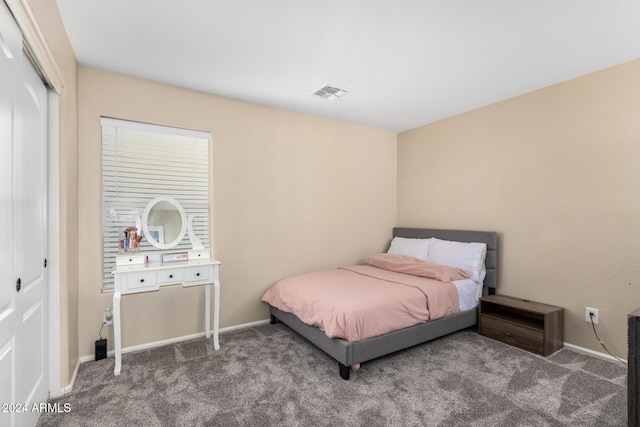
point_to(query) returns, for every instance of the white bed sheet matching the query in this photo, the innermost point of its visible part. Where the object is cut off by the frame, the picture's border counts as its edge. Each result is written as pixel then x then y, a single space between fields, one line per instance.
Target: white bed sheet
pixel 469 292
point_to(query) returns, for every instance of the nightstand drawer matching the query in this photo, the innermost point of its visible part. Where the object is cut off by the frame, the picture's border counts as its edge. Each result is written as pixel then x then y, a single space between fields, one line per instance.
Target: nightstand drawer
pixel 509 333
pixel 530 325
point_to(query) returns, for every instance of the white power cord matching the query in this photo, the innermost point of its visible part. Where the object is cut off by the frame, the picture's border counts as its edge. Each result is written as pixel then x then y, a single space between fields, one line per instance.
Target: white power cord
pixel 602 343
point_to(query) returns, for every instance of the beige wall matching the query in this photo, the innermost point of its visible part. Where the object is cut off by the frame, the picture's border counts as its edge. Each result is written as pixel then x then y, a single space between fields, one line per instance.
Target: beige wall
pixel 49 22
pixel 291 193
pixel 556 172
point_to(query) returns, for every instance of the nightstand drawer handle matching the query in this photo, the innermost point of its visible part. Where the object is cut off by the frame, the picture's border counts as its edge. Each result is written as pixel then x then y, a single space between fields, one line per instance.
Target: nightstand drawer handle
pixel 171 276
pixel 508 334
pixel 141 280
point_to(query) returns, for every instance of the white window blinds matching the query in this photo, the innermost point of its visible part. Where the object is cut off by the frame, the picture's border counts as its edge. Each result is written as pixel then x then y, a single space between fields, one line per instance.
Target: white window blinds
pixel 141 162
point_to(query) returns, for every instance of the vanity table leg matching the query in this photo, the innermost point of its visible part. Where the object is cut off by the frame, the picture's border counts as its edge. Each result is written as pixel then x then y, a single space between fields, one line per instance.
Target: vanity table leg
pixel 116 330
pixel 216 313
pixel 207 310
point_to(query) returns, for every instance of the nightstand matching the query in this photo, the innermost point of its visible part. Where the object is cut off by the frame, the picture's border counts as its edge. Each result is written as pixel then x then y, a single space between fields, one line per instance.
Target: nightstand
pixel 529 325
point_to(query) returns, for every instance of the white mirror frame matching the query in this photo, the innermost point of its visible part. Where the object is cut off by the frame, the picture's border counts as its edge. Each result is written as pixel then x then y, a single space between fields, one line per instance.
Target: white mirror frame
pixel 196 243
pixel 145 224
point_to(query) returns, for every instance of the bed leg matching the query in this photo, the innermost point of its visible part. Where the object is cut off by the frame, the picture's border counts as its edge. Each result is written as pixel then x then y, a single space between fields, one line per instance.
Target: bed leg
pixel 273 319
pixel 344 371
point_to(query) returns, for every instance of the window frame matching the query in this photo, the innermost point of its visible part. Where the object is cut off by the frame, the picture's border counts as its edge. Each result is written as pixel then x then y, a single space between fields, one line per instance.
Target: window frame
pixel 142 161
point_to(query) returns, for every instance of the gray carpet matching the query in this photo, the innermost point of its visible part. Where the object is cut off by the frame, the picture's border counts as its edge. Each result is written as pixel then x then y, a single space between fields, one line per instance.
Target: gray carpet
pixel 270 376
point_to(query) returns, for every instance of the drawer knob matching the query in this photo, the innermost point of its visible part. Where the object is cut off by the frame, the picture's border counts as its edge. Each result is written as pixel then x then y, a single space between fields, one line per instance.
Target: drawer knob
pixel 507 334
pixel 141 280
pixel 198 274
pixel 171 276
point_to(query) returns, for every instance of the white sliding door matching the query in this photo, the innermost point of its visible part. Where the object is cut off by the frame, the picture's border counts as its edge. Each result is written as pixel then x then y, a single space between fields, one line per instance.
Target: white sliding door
pixel 23 244
pixel 10 42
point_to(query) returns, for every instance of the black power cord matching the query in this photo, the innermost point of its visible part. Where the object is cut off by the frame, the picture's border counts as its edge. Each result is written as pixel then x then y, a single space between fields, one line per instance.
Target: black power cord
pixel 602 343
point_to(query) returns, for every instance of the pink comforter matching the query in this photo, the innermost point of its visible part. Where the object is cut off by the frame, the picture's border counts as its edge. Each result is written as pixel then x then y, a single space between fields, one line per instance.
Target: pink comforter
pixel 359 302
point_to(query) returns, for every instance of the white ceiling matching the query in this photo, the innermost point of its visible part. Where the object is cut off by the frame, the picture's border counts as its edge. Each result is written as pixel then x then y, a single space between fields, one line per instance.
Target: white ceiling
pixel 404 63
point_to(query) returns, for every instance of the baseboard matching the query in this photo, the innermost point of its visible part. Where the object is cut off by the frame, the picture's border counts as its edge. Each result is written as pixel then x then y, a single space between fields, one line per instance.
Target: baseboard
pixel 244 326
pixel 160 343
pixel 69 386
pixel 594 353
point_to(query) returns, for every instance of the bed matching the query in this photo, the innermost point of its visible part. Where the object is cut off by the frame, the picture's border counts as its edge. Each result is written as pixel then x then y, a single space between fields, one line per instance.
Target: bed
pixel 350 353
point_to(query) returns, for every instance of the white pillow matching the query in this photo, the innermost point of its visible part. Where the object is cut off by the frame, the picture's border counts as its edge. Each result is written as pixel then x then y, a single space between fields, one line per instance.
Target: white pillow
pixel 416 248
pixel 469 256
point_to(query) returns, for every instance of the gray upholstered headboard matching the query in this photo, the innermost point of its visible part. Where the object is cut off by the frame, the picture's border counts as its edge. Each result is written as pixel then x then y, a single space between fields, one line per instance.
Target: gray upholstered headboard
pixel 488 237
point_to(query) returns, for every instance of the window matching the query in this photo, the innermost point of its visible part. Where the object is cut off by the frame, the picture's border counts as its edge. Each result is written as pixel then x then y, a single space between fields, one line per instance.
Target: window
pixel 141 162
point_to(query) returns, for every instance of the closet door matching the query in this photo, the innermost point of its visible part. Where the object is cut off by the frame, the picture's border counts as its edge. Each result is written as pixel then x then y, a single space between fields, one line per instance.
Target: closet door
pixel 23 202
pixel 10 48
pixel 30 244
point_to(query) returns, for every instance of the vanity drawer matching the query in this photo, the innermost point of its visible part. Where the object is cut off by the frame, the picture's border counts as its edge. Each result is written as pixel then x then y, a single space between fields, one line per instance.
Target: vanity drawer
pixel 129 259
pixel 199 254
pixel 171 276
pixel 139 281
pixel 199 275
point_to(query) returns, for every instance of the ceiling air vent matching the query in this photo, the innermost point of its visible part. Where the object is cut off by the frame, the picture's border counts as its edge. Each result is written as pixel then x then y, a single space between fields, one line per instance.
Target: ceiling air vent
pixel 329 92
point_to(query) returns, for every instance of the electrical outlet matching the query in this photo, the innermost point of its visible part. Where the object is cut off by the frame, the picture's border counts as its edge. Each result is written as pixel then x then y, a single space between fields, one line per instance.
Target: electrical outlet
pixel 587 315
pixel 107 316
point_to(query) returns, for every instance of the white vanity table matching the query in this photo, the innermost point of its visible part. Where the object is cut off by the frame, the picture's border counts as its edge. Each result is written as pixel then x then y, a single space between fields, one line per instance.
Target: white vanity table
pixel 145 271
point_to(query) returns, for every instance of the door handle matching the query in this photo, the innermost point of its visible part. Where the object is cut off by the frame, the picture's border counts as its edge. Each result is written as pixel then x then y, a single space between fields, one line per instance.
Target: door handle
pixel 18 285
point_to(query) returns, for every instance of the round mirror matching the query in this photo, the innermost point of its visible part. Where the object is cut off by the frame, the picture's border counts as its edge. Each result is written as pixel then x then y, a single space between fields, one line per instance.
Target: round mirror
pixel 164 222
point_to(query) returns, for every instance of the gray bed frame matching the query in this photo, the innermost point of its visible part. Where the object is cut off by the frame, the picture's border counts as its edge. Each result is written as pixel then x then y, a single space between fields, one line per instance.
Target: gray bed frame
pixel 349 353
